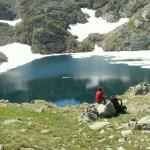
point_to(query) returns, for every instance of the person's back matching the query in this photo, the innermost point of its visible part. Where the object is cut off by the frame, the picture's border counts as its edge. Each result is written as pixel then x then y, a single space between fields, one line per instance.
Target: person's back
pixel 99 95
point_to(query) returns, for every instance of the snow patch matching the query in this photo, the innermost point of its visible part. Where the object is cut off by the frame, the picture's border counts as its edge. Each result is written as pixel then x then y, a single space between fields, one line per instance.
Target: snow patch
pixel 11 23
pixel 131 58
pixel 18 54
pixel 94 25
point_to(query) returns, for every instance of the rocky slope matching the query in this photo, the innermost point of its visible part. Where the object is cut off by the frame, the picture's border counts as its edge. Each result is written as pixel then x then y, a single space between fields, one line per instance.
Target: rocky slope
pixel 45 28
pixel 134 35
pixel 45 24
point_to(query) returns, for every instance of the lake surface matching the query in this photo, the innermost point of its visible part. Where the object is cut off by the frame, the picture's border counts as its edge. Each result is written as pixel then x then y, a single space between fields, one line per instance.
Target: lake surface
pixel 65 80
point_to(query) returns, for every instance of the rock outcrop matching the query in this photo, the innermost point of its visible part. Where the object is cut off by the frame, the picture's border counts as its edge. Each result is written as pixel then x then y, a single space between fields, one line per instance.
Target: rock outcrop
pixel 45 28
pixel 115 9
pixel 144 123
pixel 107 110
pixel 140 89
pixel 6 34
pixel 3 58
pixel 131 36
pixel 6 12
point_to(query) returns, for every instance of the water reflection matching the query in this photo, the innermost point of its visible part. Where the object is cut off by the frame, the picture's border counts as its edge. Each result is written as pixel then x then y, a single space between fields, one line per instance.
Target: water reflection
pixel 64 80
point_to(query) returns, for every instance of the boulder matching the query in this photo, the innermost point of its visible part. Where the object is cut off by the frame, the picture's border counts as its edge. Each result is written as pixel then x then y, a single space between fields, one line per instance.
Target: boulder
pixel 107 110
pixel 26 148
pixel 44 103
pixel 141 89
pixel 144 123
pixel 146 14
pixel 98 125
pixel 126 133
pixel 47 41
pixel 11 121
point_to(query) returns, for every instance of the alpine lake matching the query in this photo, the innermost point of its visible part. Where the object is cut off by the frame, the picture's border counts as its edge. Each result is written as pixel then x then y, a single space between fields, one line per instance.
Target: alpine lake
pixel 64 80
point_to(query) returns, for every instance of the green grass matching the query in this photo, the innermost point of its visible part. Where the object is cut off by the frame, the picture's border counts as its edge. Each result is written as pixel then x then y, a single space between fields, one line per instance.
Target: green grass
pixel 66 131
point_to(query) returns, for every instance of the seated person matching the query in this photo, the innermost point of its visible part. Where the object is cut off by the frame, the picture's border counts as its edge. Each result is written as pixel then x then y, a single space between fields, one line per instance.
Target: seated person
pixel 99 97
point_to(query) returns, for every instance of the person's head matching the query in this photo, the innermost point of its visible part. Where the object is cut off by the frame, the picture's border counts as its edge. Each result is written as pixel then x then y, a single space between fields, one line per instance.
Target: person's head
pixel 99 88
pixel 112 98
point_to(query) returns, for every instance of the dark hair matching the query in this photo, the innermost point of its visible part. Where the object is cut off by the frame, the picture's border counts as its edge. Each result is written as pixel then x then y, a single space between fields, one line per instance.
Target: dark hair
pixel 100 88
pixel 111 98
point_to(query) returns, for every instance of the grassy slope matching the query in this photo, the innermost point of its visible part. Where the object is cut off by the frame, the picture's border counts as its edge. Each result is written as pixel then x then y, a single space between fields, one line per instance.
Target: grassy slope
pixel 65 131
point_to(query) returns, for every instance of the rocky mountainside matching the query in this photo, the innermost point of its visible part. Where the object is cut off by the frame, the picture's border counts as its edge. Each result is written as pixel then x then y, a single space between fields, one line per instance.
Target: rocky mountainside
pixel 45 24
pixel 134 35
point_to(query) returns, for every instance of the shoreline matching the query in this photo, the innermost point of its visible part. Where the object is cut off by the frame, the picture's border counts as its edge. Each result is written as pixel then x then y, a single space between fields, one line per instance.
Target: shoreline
pixel 131 58
pixel 20 54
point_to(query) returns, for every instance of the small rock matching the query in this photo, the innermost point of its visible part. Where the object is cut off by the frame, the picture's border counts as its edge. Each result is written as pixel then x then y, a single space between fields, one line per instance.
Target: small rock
pixel 110 126
pixel 125 125
pixel 83 118
pixel 120 148
pixel 1 147
pixel 125 101
pixel 102 131
pixel 29 118
pixel 121 140
pixel 30 123
pixel 74 136
pixel 102 140
pixel 62 148
pixel 126 133
pixel 23 130
pixel 111 137
pixel 39 110
pixel 108 148
pixel 11 121
pixel 98 125
pixel 26 149
pixel 44 131
pixel 121 127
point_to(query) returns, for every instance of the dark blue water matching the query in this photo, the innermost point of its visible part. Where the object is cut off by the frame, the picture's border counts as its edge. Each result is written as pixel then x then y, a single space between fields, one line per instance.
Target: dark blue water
pixel 65 80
